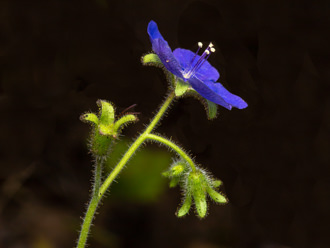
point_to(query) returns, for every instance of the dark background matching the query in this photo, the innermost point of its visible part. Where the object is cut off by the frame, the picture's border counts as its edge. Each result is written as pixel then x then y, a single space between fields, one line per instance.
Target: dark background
pixel 58 57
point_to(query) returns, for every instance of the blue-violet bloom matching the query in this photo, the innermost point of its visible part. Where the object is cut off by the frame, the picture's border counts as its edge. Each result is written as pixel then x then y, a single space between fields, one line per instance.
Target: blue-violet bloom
pixel 194 69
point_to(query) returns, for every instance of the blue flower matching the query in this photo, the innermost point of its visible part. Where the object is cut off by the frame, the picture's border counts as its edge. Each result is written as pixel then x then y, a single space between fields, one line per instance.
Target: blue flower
pixel 194 69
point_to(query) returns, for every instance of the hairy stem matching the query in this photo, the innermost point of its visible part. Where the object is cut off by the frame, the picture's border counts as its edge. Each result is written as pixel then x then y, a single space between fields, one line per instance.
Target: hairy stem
pixel 129 153
pixel 100 189
pixel 92 205
pixel 176 148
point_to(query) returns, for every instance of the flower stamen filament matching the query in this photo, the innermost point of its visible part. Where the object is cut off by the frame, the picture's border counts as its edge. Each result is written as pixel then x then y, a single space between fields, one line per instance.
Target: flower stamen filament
pixel 191 70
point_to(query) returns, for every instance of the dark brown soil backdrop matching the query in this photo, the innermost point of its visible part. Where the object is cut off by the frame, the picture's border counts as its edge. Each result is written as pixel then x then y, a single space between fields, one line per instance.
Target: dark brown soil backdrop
pixel 58 57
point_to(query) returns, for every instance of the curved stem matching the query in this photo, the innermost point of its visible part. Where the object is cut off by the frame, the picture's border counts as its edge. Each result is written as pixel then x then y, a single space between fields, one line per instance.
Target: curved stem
pixel 92 206
pixel 136 145
pixel 176 148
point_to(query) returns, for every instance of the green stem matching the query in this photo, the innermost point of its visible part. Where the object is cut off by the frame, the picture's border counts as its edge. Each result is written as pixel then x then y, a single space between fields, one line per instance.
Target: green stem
pixel 99 189
pixel 92 205
pixel 176 148
pixel 136 145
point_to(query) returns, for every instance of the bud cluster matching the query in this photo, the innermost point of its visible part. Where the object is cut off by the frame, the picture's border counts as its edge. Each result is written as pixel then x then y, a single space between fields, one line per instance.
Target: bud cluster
pixel 197 186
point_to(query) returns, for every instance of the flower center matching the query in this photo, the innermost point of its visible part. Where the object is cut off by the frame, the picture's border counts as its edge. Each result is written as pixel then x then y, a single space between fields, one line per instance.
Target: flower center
pixel 193 67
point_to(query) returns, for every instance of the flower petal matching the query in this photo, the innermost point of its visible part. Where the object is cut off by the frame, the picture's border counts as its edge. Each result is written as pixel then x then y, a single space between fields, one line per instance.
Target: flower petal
pixel 163 50
pixel 230 98
pixel 205 72
pixel 207 92
pixel 153 31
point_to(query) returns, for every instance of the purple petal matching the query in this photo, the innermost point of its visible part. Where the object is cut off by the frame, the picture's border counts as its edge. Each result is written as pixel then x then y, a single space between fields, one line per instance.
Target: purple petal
pixel 230 98
pixel 207 92
pixel 163 50
pixel 205 72
pixel 165 55
pixel 153 31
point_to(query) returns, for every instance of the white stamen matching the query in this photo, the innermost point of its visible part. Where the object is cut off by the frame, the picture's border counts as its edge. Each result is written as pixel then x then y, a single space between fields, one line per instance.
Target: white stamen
pixel 191 70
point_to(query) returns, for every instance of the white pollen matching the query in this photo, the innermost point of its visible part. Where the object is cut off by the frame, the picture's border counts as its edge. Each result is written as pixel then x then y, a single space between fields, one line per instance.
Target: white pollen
pixel 207 52
pixel 211 45
pixel 212 49
pixel 200 44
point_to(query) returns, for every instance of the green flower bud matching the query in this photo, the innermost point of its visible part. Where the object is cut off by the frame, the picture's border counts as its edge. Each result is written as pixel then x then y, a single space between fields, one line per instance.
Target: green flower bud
pixel 174 182
pixel 105 128
pixel 197 185
pixel 175 173
pixel 200 203
pixel 184 209
pixel 216 196
pixel 216 183
pixel 176 169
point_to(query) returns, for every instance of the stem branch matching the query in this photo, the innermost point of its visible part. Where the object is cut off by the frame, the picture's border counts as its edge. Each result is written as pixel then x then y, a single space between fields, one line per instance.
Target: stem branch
pixel 176 148
pixel 99 189
pixel 136 145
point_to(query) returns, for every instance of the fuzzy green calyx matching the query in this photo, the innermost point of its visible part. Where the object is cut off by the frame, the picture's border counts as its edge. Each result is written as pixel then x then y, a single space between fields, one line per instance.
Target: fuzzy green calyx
pixel 90 117
pixel 105 128
pixel 216 196
pixel 175 173
pixel 198 185
pixel 184 209
pixel 151 59
pixel 124 121
pixel 181 87
pixel 107 113
pixel 175 170
pixel 211 109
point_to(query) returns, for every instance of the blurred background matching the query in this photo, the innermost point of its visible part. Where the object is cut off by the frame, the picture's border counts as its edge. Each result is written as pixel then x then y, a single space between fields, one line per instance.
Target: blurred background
pixel 58 57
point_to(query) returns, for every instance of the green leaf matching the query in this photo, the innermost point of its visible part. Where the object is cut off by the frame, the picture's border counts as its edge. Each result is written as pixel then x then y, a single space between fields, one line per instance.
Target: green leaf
pixel 151 59
pixel 212 110
pixel 181 87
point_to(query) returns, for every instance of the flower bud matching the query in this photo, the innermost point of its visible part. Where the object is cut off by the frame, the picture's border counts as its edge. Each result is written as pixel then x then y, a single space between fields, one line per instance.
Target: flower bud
pixel 184 209
pixel 105 128
pixel 175 173
pixel 216 196
pixel 174 182
pixel 216 183
pixel 197 184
